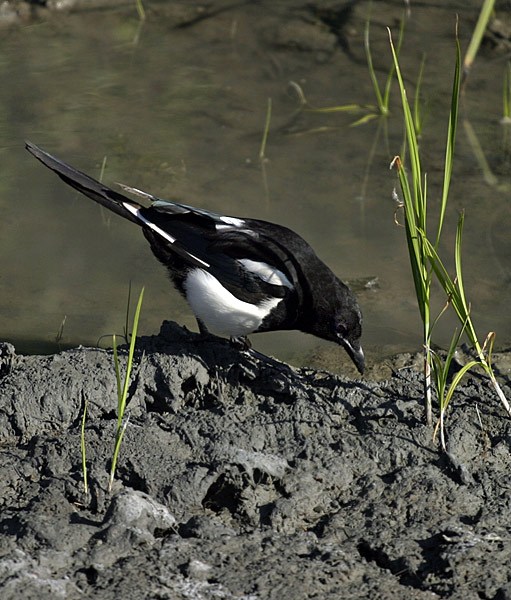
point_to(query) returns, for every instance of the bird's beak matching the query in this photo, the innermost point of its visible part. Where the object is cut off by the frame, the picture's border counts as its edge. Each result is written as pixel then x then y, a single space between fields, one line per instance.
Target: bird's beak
pixel 356 354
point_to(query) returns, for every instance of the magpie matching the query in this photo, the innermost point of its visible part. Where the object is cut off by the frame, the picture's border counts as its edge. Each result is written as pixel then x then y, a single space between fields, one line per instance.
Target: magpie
pixel 239 275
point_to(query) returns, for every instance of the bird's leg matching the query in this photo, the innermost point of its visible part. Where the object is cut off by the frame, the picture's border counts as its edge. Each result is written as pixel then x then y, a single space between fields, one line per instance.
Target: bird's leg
pixel 238 342
pixel 205 334
pixel 203 329
pixel 241 342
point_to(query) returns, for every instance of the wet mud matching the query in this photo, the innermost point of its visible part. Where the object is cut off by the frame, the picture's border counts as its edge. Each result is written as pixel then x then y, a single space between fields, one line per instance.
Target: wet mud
pixel 240 477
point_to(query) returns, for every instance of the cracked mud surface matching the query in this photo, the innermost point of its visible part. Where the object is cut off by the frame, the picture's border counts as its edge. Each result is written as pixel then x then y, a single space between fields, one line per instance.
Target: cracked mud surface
pixel 241 478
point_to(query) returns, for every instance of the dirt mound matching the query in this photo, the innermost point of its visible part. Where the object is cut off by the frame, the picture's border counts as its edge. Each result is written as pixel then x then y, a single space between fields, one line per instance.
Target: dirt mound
pixel 242 478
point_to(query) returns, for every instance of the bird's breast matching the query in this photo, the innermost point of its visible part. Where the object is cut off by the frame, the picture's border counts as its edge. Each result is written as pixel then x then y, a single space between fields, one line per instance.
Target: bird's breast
pixel 221 312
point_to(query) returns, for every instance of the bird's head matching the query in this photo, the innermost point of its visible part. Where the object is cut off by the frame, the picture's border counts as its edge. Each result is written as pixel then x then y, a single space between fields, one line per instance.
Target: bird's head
pixel 347 332
pixel 344 324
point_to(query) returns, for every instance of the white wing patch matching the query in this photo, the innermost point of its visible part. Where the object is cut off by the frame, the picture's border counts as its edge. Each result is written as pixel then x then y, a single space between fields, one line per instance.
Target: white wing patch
pixel 229 223
pixel 266 272
pixel 221 312
pixel 232 221
pixel 135 211
pixel 136 192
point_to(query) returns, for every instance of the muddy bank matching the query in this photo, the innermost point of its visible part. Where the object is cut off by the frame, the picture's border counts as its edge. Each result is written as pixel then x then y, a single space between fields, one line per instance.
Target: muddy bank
pixel 242 478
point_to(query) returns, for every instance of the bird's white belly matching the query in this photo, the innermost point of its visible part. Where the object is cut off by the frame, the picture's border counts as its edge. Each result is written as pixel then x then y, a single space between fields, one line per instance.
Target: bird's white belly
pixel 220 311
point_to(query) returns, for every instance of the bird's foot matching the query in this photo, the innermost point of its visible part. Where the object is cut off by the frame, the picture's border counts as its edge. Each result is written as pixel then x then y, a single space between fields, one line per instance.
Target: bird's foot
pixel 240 343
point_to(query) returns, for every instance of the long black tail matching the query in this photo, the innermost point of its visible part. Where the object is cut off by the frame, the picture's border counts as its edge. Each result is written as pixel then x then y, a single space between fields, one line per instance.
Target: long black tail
pixel 86 185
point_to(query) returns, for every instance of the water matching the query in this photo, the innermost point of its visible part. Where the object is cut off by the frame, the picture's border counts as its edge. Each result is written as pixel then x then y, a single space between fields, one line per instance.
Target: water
pixel 180 112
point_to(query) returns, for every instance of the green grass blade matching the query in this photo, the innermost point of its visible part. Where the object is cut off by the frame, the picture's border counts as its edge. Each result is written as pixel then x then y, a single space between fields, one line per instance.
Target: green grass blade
pixel 131 353
pixel 415 251
pixel 123 393
pixel 465 310
pixel 457 255
pixel 140 10
pixel 442 367
pixel 117 448
pixel 455 340
pixel 262 150
pixel 457 379
pixel 415 217
pixel 477 35
pixel 390 75
pixel 453 288
pixel 475 145
pixel 372 73
pixel 419 207
pixel 382 100
pixel 363 120
pixel 84 449
pixel 506 94
pixel 451 140
pixel 488 344
pixel 417 117
pixel 447 399
pixel 344 108
pixel 438 317
pixel 445 280
pixel 117 370
pixel 127 319
pixel 439 375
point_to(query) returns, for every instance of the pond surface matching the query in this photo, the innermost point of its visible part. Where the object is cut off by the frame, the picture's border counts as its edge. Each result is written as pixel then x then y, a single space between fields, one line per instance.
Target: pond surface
pixel 176 106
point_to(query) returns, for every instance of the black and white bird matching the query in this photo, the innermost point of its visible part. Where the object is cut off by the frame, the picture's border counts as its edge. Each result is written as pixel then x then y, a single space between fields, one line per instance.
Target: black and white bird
pixel 239 276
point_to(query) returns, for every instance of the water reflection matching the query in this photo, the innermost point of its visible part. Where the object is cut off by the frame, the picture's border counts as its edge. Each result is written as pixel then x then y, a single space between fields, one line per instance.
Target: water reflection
pixel 181 114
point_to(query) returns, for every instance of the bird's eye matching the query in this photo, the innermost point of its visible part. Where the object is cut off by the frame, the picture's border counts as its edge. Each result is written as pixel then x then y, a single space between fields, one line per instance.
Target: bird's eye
pixel 341 329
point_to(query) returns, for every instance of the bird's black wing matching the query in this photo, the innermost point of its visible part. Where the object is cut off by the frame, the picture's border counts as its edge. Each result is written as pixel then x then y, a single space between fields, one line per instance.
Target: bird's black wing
pixel 243 258
pixel 240 253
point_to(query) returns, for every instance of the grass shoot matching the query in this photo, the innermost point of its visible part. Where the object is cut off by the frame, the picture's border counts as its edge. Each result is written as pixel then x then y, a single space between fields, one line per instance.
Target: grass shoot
pixel 477 36
pixel 415 210
pixel 262 151
pixel 382 98
pixel 140 10
pixel 60 333
pixel 506 96
pixel 425 260
pixel 369 112
pixel 84 449
pixel 418 117
pixel 445 391
pixel 123 387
